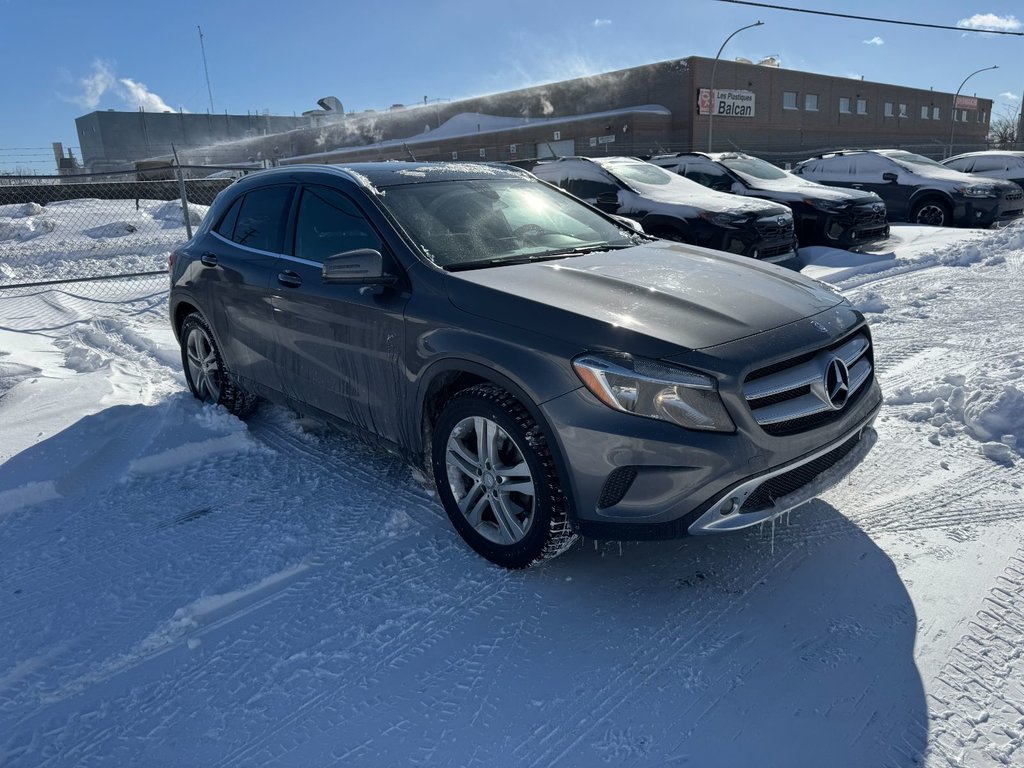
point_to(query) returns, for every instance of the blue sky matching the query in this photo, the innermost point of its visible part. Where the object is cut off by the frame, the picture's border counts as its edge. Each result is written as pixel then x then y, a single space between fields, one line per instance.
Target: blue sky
pixel 58 61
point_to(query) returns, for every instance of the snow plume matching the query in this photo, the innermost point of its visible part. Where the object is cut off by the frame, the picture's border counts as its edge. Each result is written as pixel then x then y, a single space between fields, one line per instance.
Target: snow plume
pixel 990 21
pixel 1010 96
pixel 95 85
pixel 602 22
pixel 138 94
pixel 103 80
pixel 876 40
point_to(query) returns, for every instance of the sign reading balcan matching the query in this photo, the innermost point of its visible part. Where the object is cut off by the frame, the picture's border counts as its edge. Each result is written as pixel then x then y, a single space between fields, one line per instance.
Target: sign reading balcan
pixel 726 102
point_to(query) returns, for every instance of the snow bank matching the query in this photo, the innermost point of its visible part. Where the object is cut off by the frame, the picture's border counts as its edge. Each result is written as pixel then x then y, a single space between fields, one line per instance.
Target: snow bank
pixel 987 405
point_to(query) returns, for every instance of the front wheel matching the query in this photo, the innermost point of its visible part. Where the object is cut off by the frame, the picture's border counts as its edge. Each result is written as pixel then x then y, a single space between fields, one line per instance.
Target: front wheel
pixel 205 372
pixel 497 480
pixel 933 213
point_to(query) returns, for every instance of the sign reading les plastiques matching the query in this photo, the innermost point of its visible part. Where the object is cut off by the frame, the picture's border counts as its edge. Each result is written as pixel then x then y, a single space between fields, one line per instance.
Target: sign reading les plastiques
pixel 726 102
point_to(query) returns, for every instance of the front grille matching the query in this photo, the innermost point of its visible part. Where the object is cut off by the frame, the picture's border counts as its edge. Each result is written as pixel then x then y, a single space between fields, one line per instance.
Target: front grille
pixel 775 250
pixel 867 218
pixel 1017 195
pixel 788 482
pixel 792 395
pixel 616 487
pixel 769 228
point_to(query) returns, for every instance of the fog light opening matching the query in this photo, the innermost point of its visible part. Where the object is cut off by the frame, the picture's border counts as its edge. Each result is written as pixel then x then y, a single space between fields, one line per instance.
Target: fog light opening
pixel 730 506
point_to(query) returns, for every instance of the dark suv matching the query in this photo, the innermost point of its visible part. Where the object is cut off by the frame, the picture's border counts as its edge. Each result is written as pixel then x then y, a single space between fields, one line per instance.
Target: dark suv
pixel 918 189
pixel 674 208
pixel 555 372
pixel 824 215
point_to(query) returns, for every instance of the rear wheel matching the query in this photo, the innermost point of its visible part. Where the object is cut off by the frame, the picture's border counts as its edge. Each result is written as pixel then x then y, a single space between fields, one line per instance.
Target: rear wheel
pixel 205 372
pixel 497 480
pixel 934 213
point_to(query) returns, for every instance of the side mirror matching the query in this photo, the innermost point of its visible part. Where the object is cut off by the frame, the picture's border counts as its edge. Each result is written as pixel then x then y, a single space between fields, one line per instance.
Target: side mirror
pixel 363 266
pixel 608 202
pixel 737 188
pixel 890 176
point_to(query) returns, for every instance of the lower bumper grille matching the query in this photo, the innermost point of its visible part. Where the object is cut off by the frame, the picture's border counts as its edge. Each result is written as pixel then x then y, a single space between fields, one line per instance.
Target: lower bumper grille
pixel 788 482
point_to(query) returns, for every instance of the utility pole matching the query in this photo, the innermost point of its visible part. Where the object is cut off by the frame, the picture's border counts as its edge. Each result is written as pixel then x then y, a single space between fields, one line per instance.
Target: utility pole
pixel 206 70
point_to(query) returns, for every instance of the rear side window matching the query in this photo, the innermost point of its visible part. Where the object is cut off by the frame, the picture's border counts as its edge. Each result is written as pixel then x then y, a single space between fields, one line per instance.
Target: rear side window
pixel 963 164
pixel 262 219
pixel 226 227
pixel 330 223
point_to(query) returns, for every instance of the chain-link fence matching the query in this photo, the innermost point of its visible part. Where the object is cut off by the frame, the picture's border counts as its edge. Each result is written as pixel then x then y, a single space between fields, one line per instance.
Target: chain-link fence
pixel 107 235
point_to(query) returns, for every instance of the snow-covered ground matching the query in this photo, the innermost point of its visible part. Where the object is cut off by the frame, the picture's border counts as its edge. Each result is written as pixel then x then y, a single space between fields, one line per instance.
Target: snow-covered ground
pixel 181 588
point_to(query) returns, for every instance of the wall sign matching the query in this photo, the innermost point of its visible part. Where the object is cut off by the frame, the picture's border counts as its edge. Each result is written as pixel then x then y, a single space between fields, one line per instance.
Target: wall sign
pixel 726 102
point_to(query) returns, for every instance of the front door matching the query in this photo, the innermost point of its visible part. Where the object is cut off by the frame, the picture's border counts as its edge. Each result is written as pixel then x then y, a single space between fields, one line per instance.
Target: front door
pixel 339 344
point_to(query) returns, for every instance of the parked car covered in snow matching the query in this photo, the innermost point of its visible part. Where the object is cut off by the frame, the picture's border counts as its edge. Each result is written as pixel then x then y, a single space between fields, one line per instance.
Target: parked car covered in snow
pixel 918 189
pixel 993 164
pixel 674 208
pixel 555 372
pixel 824 215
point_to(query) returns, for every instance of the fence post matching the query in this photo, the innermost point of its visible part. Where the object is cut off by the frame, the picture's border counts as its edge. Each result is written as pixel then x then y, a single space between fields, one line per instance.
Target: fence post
pixel 184 196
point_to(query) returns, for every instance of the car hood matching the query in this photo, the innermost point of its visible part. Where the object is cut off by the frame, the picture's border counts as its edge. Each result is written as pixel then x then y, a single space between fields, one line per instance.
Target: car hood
pixel 656 299
pixel 795 189
pixel 652 199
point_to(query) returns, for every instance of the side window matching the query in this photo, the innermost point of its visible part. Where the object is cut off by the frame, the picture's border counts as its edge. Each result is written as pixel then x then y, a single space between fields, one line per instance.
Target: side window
pixel 329 223
pixel 226 226
pixel 709 176
pixel 588 189
pixel 989 164
pixel 262 219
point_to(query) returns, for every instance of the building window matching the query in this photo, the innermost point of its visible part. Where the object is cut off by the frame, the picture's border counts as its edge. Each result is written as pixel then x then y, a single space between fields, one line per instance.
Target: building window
pixel 811 102
pixel 789 99
pixel 935 113
pixel 862 106
pixel 844 105
pixel 903 110
pixel 889 109
pixel 963 117
pixel 924 113
pixel 483 152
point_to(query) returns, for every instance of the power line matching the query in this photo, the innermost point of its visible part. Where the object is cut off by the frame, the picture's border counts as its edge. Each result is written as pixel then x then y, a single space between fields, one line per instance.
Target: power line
pixel 773 7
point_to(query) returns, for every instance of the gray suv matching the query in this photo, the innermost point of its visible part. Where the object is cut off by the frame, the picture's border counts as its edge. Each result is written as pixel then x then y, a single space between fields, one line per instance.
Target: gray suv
pixel 555 372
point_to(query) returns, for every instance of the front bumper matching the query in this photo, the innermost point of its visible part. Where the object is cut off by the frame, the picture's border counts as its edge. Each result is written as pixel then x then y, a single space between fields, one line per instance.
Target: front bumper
pixel 985 212
pixel 639 479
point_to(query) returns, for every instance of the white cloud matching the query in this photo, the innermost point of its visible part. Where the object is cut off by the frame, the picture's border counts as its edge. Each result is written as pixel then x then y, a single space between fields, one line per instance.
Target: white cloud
pixel 1010 96
pixel 103 81
pixel 602 22
pixel 990 21
pixel 876 40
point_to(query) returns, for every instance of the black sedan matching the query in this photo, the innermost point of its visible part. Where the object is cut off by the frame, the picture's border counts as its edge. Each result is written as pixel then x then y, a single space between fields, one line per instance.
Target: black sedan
pixel 824 215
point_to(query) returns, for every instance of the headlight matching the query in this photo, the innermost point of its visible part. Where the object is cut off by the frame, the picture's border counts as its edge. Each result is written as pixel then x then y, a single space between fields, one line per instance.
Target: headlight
pixel 979 191
pixel 727 220
pixel 829 206
pixel 655 390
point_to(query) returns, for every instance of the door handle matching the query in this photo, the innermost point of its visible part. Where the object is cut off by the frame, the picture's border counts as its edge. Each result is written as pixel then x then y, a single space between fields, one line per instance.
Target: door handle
pixel 289 278
pixel 209 259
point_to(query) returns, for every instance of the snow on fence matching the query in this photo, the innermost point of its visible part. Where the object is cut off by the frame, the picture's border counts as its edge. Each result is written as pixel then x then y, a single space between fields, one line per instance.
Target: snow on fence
pixel 110 235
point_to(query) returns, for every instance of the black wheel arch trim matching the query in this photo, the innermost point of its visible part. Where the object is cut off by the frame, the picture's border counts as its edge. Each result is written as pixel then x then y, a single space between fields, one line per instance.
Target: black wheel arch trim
pixel 518 391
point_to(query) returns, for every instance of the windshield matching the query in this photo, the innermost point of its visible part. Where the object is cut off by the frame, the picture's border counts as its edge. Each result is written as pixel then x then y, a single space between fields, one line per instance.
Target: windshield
pixel 640 173
pixel 458 224
pixel 753 168
pixel 913 159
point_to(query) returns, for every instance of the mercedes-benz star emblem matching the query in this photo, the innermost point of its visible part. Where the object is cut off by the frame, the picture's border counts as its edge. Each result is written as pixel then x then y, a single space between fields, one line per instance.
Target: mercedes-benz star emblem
pixel 837 383
pixel 782 221
pixel 877 207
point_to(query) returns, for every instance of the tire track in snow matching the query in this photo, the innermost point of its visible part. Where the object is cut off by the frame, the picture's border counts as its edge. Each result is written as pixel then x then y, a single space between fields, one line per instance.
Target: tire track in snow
pixel 980 690
pixel 671 640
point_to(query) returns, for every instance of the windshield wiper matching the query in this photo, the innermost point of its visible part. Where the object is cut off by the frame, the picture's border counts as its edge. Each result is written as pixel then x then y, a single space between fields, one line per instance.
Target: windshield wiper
pixel 564 253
